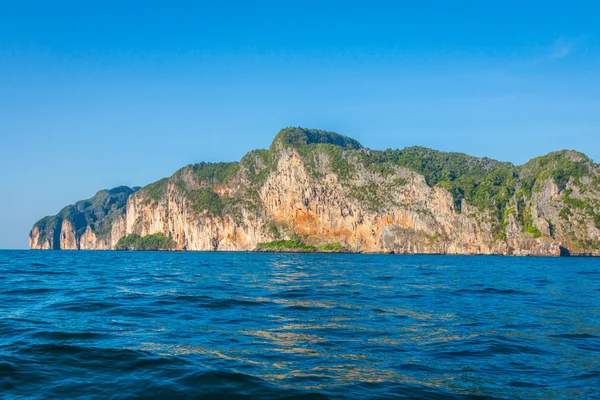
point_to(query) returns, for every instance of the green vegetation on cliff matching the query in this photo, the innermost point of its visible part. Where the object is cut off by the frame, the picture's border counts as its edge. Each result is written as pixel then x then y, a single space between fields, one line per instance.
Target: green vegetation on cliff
pixel 589 207
pixel 525 218
pixel 297 137
pixel 561 166
pixel 483 183
pixel 197 184
pixel 335 247
pixel 206 199
pixel 155 191
pixel 286 245
pixel 215 173
pixel 257 165
pixel 157 241
pixel 312 145
pixel 296 244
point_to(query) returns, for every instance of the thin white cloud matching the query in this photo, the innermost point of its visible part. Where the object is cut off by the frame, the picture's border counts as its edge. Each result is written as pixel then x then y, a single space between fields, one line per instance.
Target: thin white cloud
pixel 561 48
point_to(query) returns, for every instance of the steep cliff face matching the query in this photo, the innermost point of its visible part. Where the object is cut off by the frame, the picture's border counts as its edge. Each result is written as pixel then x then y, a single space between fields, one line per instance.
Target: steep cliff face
pixel 88 224
pixel 324 189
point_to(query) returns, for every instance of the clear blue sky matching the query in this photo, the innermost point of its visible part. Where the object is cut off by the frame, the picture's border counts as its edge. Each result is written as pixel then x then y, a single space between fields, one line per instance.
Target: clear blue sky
pixel 95 96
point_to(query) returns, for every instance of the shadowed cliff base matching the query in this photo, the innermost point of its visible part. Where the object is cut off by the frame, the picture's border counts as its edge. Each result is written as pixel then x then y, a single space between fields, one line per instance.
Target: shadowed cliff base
pixel 318 191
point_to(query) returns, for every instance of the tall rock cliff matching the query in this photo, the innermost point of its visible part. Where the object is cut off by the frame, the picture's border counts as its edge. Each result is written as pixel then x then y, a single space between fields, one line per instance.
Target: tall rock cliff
pixel 326 190
pixel 95 223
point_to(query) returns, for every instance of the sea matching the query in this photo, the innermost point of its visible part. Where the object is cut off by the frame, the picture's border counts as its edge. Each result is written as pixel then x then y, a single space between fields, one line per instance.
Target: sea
pixel 184 325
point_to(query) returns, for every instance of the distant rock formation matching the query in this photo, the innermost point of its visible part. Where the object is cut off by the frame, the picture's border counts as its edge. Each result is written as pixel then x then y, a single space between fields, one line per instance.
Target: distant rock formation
pixel 323 191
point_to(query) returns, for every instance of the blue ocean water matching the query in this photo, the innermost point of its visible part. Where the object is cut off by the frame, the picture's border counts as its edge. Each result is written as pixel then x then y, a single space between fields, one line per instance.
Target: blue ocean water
pixel 249 325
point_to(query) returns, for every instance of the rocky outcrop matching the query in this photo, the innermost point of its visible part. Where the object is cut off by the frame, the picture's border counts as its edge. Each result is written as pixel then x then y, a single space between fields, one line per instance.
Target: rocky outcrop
pixel 95 223
pixel 325 188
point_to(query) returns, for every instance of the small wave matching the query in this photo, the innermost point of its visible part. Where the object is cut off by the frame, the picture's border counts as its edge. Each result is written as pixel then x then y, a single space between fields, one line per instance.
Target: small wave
pixel 501 348
pixel 293 293
pixel 409 391
pixel 29 292
pixel 488 348
pixel 410 296
pixel 491 291
pixel 462 354
pixel 40 272
pixel 36 264
pixel 28 321
pixel 208 302
pixel 7 368
pixel 23 271
pixel 193 299
pixel 521 326
pixel 522 384
pixel 575 336
pixel 233 385
pixel 589 347
pixel 383 278
pixel 417 368
pixel 184 384
pixel 589 375
pixel 230 303
pixel 57 335
pixel 39 349
pixel 83 306
pixel 97 358
pixel 186 299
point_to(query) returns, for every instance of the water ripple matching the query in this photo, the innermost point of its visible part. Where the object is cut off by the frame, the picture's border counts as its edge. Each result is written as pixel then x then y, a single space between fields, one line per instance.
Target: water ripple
pixel 228 325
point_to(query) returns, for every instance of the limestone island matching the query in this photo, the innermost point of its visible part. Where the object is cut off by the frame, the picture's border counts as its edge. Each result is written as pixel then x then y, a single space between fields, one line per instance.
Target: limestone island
pixel 318 191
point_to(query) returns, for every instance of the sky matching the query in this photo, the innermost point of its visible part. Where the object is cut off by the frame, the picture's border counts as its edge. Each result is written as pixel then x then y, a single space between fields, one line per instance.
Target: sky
pixel 95 95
